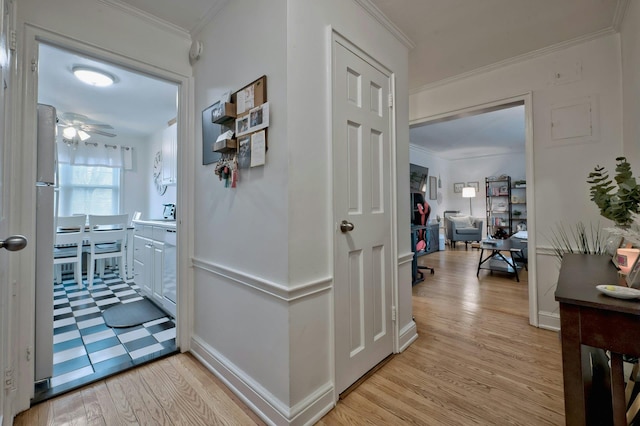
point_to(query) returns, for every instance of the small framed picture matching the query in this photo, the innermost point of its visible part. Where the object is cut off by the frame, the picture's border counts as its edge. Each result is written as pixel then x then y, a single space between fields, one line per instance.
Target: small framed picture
pixel 242 125
pixel 633 277
pixel 216 111
pixel 457 187
pixel 475 185
pixel 433 188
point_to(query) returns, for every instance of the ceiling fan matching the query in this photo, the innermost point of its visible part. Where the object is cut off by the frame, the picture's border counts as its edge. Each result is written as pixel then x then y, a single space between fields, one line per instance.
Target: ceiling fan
pixel 77 127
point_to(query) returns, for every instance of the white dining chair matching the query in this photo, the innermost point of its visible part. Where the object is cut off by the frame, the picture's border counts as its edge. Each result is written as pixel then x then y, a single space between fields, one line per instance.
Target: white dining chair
pixel 68 245
pixel 107 239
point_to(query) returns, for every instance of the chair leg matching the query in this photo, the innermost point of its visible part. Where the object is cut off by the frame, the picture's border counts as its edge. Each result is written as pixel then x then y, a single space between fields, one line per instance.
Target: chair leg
pixel 92 267
pixel 122 268
pixel 78 273
pixel 101 263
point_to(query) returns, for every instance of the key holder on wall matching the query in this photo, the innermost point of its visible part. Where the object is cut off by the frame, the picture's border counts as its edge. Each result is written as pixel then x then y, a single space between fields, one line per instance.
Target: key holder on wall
pixel 245 115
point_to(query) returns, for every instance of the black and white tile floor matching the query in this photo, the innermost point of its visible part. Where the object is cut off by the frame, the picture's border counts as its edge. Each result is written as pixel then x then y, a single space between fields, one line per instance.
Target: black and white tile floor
pixel 85 349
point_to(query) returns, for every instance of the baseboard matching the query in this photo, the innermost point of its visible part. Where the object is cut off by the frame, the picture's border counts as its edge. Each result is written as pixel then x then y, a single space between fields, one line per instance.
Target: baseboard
pixel 408 335
pixel 257 398
pixel 549 320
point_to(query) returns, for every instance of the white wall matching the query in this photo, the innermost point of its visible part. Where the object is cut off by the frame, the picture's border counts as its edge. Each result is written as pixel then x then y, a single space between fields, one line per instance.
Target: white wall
pixel 630 41
pixel 155 201
pixel 243 232
pixel 263 251
pixel 560 168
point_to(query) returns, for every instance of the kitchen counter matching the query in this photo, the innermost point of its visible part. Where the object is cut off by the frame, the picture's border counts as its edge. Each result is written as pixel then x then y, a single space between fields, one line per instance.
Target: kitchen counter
pixel 164 223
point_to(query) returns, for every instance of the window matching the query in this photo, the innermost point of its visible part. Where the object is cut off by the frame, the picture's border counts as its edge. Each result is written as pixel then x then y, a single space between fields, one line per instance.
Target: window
pixel 89 190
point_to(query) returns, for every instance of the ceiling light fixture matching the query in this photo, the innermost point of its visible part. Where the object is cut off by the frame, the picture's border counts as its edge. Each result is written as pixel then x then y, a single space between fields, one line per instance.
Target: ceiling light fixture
pixel 83 135
pixel 93 77
pixel 69 133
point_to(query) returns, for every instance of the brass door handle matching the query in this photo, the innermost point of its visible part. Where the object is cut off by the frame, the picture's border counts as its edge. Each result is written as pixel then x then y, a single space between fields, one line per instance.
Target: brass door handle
pixel 346 226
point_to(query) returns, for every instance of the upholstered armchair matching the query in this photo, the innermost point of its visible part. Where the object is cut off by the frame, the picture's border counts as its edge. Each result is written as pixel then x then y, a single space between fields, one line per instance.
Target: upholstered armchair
pixel 462 228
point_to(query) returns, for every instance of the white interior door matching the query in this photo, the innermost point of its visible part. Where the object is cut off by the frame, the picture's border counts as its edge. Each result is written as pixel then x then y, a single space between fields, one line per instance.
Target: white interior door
pixel 6 410
pixel 362 201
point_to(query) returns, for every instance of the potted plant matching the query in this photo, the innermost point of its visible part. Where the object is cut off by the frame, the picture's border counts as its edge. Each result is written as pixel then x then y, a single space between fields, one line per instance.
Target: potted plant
pixel 616 203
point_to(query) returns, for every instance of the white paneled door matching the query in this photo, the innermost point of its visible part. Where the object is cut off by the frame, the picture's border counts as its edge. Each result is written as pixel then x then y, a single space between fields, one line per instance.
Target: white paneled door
pixel 362 213
pixel 6 365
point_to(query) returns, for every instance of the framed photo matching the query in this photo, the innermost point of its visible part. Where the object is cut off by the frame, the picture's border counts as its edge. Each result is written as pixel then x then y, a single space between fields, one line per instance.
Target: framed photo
pixel 418 178
pixel 217 110
pixel 633 277
pixel 457 187
pixel 244 152
pixel 475 185
pixel 242 125
pixel 210 133
pixel 259 117
pixel 433 188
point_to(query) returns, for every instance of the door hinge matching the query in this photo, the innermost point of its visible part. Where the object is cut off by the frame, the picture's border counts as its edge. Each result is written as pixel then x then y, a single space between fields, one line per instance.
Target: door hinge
pixel 12 40
pixel 390 100
pixel 9 382
pixel 34 64
pixel 393 313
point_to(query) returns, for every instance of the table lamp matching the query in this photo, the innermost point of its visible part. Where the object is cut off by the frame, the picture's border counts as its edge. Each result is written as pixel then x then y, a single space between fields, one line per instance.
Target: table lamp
pixel 469 192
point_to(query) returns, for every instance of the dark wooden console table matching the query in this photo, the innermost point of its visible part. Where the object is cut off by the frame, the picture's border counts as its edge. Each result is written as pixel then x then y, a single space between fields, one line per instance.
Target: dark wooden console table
pixel 588 317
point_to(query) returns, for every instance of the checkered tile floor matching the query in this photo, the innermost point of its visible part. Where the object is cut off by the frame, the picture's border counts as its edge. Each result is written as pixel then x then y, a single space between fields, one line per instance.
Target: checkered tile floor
pixel 85 348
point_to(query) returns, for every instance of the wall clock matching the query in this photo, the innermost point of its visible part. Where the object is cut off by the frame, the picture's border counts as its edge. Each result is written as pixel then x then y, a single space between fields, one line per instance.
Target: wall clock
pixel 157 173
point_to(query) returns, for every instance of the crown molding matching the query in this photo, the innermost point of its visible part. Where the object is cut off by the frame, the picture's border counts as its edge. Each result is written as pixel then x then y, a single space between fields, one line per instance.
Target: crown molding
pixel 215 8
pixel 618 16
pixel 153 20
pixel 414 146
pixel 382 19
pixel 516 59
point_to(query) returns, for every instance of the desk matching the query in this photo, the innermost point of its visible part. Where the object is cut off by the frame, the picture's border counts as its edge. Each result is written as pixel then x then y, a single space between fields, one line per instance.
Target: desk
pixel 588 317
pixel 496 261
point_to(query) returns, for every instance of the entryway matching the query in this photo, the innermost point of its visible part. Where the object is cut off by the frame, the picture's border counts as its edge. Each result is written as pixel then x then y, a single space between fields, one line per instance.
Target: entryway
pixel 107 138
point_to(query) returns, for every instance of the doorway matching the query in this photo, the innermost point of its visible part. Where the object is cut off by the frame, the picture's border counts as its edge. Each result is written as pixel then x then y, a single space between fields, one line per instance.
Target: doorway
pixel 513 117
pixel 106 142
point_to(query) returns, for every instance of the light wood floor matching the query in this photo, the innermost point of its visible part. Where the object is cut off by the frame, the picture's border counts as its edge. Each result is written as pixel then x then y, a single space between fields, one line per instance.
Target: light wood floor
pixel 476 362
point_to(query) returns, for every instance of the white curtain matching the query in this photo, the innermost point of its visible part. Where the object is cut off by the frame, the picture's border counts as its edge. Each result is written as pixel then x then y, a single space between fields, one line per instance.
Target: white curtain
pixel 91 154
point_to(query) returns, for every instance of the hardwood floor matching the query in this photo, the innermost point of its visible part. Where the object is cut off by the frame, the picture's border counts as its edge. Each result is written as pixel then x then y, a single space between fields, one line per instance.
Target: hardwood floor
pixel 477 361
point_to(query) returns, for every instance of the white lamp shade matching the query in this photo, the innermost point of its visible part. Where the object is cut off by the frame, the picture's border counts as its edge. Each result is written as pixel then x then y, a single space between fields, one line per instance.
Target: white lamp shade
pixel 468 192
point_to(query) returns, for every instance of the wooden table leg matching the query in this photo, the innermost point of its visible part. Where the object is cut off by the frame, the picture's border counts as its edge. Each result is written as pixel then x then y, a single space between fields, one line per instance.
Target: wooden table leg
pixel 574 396
pixel 617 390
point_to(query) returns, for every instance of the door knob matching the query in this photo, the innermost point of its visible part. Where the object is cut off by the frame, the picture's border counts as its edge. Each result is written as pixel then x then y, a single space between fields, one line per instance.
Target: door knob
pixel 14 243
pixel 346 226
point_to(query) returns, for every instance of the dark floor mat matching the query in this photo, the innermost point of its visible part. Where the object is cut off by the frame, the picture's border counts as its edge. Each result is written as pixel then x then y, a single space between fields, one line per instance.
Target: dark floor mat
pixel 133 313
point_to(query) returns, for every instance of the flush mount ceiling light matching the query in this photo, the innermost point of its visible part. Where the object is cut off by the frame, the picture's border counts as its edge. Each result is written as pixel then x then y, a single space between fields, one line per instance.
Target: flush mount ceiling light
pixel 93 77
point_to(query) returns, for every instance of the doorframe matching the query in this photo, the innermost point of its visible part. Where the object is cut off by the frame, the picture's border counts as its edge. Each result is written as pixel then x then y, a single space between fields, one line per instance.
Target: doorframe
pixel 337 37
pixel 26 132
pixel 527 98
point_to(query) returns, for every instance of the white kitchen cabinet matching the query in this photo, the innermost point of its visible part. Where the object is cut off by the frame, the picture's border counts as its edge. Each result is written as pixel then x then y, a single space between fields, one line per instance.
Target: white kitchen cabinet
pixel 141 260
pixel 170 155
pixel 158 267
pixel 148 261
